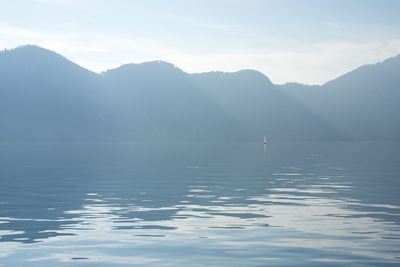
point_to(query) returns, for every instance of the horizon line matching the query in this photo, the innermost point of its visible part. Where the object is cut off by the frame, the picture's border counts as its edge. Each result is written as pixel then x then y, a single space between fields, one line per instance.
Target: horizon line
pixel 191 73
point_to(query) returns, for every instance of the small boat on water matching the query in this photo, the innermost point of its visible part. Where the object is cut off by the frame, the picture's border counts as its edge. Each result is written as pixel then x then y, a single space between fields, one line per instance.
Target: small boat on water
pixel 265 140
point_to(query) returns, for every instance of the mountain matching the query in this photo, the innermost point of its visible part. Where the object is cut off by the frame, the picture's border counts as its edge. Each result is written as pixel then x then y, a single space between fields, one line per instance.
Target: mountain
pixel 47 98
pixel 44 97
pixel 259 107
pixel 157 102
pixel 362 103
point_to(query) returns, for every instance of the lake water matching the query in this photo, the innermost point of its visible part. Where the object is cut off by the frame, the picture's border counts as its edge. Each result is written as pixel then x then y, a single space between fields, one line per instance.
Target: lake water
pixel 309 204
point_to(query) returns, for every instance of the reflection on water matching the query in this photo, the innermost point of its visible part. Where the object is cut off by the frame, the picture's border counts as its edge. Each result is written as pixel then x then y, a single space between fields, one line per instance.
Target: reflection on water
pixel 240 205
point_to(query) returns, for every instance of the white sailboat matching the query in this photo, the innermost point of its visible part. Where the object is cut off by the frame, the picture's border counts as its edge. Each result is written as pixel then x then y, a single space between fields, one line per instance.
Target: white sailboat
pixel 265 140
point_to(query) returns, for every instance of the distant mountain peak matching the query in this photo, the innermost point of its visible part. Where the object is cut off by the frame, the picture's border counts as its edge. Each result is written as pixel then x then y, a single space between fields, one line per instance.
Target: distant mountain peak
pixel 158 62
pixel 33 56
pixel 384 70
pixel 30 49
pixel 157 66
pixel 255 74
pixel 246 74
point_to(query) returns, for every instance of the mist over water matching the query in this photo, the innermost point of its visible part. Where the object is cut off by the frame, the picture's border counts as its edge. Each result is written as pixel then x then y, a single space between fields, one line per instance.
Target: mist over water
pixel 314 204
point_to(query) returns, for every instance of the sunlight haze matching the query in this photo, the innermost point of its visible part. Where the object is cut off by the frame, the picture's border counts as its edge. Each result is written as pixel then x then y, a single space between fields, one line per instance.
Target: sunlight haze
pixel 304 41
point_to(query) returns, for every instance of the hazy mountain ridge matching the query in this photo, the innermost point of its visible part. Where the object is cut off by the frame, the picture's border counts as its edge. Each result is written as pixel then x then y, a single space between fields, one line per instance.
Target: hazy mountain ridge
pixel 363 103
pixel 46 98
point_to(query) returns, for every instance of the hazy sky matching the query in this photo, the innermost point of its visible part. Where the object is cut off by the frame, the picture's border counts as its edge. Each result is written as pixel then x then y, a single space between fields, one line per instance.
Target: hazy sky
pixel 305 41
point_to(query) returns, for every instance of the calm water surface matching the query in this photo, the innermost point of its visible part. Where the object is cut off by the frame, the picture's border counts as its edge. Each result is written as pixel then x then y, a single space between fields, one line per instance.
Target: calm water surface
pixel 310 204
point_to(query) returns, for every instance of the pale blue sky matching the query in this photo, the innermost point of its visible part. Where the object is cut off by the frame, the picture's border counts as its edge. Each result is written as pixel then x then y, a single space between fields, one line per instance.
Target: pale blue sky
pixel 305 41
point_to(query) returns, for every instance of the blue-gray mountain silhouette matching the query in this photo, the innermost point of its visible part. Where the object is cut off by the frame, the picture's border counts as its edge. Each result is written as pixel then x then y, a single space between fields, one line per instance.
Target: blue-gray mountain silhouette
pixel 44 97
pixel 363 103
